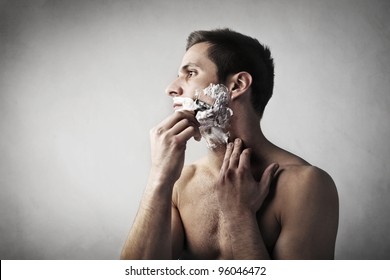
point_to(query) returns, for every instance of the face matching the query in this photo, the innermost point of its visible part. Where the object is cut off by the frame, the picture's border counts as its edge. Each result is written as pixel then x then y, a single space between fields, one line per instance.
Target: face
pixel 196 72
pixel 198 79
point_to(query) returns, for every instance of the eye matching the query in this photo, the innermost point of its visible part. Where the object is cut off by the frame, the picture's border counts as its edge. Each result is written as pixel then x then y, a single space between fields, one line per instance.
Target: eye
pixel 191 73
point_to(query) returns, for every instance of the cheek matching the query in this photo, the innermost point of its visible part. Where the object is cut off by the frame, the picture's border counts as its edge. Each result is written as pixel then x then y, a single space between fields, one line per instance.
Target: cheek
pixel 204 80
pixel 215 122
pixel 190 89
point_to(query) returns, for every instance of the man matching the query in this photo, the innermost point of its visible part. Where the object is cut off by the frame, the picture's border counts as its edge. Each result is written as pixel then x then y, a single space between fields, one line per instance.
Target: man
pixel 247 199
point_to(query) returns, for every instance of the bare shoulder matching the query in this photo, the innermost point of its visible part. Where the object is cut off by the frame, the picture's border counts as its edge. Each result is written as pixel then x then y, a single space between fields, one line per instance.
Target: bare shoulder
pixel 193 177
pixel 187 174
pixel 307 209
pixel 190 176
pixel 192 173
pixel 298 178
pixel 304 182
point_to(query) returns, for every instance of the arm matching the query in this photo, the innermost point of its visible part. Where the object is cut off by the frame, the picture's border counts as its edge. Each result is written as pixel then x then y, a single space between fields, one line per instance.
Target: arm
pixel 243 240
pixel 157 220
pixel 309 216
pixel 240 197
pixel 152 226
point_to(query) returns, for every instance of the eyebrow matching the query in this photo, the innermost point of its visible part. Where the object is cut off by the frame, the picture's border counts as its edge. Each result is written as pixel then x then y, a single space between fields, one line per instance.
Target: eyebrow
pixel 188 65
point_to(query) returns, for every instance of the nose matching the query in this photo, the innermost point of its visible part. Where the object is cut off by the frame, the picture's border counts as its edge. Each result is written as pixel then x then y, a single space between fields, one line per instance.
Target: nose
pixel 174 89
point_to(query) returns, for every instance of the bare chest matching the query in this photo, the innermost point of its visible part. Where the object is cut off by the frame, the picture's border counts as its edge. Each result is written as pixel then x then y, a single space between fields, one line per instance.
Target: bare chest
pixel 203 225
pixel 201 220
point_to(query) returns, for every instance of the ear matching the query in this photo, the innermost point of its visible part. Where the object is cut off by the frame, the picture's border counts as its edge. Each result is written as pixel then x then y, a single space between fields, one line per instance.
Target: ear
pixel 239 83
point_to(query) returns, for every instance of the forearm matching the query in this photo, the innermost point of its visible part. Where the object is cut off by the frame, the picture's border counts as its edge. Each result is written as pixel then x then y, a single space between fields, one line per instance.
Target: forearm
pixel 150 236
pixel 243 238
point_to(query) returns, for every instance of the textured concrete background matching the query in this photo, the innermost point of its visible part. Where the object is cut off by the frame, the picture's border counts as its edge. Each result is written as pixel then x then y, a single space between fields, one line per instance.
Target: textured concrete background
pixel 82 82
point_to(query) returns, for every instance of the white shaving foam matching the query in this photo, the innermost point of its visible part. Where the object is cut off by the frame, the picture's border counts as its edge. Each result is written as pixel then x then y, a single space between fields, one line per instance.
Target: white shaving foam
pixel 187 104
pixel 215 120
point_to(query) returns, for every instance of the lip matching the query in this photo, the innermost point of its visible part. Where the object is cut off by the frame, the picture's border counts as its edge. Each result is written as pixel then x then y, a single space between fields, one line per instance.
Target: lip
pixel 177 106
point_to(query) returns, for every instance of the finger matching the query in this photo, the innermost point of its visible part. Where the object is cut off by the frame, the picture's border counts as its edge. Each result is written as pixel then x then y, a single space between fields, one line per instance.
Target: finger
pixel 182 125
pixel 170 121
pixel 226 159
pixel 188 115
pixel 268 175
pixel 245 159
pixel 235 157
pixel 198 136
pixel 185 135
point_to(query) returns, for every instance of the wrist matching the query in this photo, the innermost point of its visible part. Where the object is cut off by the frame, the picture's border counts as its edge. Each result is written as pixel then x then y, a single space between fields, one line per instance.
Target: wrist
pixel 239 213
pixel 242 236
pixel 157 197
pixel 158 178
pixel 239 220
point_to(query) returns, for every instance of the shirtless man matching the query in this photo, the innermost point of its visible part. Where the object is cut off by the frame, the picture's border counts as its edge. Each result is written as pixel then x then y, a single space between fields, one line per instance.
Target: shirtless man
pixel 247 199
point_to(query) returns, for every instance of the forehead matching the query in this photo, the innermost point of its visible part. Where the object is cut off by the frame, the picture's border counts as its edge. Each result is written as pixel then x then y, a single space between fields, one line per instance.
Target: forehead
pixel 198 55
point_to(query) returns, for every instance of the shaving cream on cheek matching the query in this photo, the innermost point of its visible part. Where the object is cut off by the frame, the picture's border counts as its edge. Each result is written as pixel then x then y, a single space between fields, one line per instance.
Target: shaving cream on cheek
pixel 184 103
pixel 215 120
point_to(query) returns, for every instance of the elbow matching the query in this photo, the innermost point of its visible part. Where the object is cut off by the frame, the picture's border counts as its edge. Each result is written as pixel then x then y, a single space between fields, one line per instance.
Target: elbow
pixel 127 254
pixel 124 256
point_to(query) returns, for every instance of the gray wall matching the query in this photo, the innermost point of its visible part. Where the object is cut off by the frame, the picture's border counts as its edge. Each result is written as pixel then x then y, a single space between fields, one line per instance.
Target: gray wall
pixel 82 82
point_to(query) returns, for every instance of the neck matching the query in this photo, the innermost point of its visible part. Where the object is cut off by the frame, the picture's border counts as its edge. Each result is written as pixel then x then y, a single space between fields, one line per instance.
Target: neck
pixel 252 136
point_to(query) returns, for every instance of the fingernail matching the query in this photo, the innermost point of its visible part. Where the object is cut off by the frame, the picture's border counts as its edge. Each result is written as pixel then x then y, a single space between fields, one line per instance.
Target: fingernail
pixel 238 140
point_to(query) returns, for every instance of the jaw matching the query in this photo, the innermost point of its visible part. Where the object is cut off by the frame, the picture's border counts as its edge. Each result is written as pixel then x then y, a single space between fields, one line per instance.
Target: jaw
pixel 215 121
